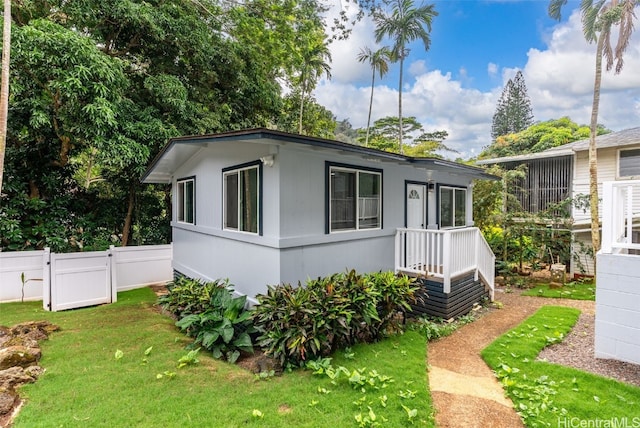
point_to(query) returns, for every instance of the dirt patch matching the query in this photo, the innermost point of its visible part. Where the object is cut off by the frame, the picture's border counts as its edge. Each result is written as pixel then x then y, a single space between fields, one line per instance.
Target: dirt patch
pixel 578 350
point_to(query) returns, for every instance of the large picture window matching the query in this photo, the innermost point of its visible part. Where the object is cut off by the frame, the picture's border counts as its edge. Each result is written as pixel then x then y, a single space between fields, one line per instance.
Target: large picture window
pixel 629 165
pixel 185 200
pixel 242 198
pixel 355 199
pixel 453 206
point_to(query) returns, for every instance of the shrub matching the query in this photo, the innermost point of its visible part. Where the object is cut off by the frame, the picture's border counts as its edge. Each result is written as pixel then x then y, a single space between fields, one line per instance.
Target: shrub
pixel 224 327
pixel 188 296
pixel 307 322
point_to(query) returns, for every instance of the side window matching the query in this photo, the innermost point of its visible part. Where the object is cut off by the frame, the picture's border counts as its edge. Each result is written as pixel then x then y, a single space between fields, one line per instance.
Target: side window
pixel 453 206
pixel 185 200
pixel 355 199
pixel 242 199
pixel 629 164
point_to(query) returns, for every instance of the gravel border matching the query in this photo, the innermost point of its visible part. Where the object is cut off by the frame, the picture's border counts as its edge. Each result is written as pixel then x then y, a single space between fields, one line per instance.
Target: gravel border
pixel 578 350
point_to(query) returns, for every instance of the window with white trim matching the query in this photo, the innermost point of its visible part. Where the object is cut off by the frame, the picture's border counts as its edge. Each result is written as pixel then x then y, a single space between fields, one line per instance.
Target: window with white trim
pixel 185 200
pixel 355 199
pixel 453 206
pixel 242 198
pixel 629 163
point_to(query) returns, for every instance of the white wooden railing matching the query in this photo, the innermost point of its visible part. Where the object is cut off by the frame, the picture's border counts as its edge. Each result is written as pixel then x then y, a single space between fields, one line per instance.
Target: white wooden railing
pixel 445 254
pixel 620 207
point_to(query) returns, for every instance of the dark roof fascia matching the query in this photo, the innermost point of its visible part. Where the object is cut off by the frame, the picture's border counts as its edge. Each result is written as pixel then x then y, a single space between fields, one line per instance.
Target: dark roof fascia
pixel 263 133
pixel 472 170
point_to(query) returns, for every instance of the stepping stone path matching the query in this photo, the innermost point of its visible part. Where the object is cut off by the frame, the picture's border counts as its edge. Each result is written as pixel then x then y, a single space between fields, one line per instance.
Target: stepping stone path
pixel 19 357
pixel 464 389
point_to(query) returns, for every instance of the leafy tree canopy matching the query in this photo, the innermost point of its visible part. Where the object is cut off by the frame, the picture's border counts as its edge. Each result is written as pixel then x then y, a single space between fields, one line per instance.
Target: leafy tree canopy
pixel 97 87
pixel 538 137
pixel 316 120
pixel 384 135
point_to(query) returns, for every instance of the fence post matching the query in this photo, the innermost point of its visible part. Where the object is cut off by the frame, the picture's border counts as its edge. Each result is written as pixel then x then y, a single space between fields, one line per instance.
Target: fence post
pixel 608 209
pixel 446 262
pixel 112 273
pixel 397 253
pixel 476 241
pixel 46 279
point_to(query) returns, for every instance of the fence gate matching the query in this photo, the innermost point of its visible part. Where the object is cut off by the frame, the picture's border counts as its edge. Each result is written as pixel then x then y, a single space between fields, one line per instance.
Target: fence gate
pixel 78 280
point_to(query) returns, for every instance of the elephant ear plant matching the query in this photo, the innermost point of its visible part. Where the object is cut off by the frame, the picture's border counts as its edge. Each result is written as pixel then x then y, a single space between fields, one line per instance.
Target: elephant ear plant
pixel 224 327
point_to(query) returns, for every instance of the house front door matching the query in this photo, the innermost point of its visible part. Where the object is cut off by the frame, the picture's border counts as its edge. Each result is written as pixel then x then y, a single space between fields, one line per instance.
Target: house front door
pixel 416 206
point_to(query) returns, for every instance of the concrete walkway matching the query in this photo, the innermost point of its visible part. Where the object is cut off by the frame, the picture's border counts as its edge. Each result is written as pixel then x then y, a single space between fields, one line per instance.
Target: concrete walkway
pixel 464 389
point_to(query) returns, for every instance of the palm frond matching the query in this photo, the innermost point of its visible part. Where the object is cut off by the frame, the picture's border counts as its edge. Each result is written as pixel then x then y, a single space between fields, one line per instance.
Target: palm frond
pixel 555 9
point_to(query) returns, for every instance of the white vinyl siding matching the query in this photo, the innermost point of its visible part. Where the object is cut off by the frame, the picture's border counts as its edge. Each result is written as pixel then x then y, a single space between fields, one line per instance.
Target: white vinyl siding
pixel 185 201
pixel 355 199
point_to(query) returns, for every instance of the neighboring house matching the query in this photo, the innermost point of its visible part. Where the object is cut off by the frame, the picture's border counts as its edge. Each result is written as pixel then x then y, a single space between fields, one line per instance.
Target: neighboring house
pixel 563 172
pixel 264 207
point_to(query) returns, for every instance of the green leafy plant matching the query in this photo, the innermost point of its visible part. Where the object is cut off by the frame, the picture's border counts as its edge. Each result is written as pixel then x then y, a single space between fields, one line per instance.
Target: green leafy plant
pixel 411 413
pixel 188 296
pixel 24 281
pixel 224 327
pixel 435 328
pixel 190 359
pixel 298 324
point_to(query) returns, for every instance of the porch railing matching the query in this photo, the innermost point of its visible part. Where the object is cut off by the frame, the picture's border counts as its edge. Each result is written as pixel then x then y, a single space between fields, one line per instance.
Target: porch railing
pixel 445 254
pixel 620 209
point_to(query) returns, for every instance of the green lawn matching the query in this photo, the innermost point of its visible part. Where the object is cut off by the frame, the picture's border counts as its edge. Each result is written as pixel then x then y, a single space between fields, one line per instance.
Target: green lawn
pixel 577 290
pixel 86 385
pixel 551 395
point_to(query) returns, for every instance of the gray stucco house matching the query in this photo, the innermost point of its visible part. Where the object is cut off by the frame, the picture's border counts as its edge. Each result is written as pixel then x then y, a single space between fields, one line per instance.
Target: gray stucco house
pixel 263 207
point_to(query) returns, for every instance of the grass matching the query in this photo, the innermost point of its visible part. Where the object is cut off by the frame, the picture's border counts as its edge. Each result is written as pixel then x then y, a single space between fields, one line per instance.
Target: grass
pixel 577 290
pixel 89 383
pixel 551 395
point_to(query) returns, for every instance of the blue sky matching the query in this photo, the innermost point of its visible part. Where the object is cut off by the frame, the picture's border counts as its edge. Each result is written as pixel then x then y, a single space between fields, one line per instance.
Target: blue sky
pixel 476 46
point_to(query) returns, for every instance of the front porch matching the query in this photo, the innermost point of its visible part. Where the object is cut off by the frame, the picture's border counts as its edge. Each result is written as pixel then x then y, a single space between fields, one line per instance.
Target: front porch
pixel 456 267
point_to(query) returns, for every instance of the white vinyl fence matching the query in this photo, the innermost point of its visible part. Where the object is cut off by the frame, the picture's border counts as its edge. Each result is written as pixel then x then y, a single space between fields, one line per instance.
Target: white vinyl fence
pixel 65 281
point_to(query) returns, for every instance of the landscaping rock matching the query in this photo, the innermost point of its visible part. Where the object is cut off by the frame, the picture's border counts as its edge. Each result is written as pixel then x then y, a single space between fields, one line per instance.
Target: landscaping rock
pixel 18 356
pixel 8 400
pixel 14 376
pixel 36 330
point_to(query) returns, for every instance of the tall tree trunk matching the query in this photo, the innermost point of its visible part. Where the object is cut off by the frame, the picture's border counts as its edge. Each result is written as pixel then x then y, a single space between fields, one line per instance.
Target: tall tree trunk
pixel 373 81
pixel 126 229
pixel 593 154
pixel 400 103
pixel 4 86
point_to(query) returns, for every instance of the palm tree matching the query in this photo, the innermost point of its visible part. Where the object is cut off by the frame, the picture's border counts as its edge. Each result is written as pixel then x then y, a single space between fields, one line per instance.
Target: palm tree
pixel 404 25
pixel 598 18
pixel 314 65
pixel 4 86
pixel 378 61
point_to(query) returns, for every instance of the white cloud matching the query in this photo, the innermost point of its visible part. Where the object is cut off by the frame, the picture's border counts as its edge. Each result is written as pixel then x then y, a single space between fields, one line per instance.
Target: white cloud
pixel 344 65
pixel 492 69
pixel 559 81
pixel 418 67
